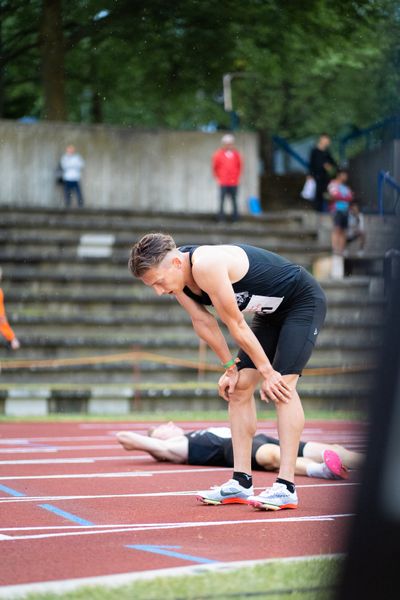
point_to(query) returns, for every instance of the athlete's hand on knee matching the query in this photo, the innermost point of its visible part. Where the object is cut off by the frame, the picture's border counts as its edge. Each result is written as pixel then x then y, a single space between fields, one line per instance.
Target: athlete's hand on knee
pixel 275 388
pixel 227 383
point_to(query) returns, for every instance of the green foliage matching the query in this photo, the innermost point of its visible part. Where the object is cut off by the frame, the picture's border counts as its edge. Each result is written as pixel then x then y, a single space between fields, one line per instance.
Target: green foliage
pixel 300 66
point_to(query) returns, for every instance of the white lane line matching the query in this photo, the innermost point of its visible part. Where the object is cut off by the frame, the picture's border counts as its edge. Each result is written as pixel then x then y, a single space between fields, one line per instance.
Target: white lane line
pixel 107 526
pixel 188 525
pixel 39 449
pixel 331 484
pixel 62 461
pixel 76 475
pixel 355 425
pixel 27 450
pixel 20 499
pixel 94 497
pixel 70 527
pixel 70 438
pixel 119 474
pixel 152 472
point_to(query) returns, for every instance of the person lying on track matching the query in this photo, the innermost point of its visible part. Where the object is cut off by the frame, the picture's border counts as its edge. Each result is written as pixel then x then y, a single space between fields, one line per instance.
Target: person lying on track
pixel 213 447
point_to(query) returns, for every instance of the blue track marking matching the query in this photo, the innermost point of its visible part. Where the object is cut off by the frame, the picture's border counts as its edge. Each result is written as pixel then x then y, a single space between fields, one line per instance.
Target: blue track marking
pixel 49 507
pixel 162 550
pixel 65 515
pixel 10 491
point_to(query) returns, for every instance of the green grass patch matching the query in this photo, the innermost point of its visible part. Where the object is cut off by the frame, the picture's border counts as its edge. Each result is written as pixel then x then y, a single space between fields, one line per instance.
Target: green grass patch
pixel 305 579
pixel 182 415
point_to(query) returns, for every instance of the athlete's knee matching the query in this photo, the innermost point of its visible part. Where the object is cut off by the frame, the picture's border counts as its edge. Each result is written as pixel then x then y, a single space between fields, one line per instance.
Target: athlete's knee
pixel 242 393
pixel 291 380
pixel 247 381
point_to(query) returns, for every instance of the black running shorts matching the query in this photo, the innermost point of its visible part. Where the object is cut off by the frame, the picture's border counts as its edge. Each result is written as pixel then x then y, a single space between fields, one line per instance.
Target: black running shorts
pixel 340 219
pixel 288 336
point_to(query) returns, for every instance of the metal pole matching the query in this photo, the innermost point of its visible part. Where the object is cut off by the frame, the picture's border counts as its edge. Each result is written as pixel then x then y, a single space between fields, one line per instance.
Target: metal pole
pixel 226 80
pixel 381 179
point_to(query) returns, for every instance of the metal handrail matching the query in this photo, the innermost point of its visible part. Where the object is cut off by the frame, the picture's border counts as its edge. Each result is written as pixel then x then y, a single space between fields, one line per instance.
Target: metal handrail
pixel 384 177
pixel 284 145
pixel 367 134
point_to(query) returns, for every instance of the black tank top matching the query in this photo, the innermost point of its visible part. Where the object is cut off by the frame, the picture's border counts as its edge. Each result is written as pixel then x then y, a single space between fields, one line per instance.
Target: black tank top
pixel 269 282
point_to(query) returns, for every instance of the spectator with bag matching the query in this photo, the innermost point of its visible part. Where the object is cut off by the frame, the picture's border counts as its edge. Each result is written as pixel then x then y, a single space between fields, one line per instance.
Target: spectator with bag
pixel 309 189
pixel 322 168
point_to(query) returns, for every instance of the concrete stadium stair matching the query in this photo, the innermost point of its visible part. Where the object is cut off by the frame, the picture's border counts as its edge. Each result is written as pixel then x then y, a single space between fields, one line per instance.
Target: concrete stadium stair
pixel 64 304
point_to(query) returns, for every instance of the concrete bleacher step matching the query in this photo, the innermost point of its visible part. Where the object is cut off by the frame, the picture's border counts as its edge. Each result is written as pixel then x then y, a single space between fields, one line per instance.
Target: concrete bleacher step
pixel 53 346
pixel 20 279
pixel 123 219
pixel 124 369
pixel 126 314
pixel 120 399
pixel 69 259
pixel 118 327
pixel 64 304
pixel 86 287
pixel 48 239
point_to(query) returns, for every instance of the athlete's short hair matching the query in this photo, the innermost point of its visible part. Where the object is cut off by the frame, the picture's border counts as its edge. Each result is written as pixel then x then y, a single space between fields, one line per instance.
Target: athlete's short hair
pixel 149 251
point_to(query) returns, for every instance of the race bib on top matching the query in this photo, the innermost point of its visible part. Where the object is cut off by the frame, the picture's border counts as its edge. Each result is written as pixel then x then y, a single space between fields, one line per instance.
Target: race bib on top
pixel 257 304
pixel 221 432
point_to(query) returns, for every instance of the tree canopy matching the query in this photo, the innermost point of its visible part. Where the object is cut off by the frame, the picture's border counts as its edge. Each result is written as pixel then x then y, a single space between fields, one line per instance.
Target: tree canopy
pixel 299 67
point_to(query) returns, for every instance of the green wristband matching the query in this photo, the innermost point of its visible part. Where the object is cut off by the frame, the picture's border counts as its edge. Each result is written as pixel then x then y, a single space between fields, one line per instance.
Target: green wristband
pixel 230 363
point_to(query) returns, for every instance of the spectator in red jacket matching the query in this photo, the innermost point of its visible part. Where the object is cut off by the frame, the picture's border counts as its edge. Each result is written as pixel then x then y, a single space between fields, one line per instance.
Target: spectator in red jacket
pixel 227 168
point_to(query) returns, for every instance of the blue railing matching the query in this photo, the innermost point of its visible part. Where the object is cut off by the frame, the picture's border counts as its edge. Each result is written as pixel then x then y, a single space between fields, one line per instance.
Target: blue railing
pixel 389 128
pixel 284 145
pixel 385 178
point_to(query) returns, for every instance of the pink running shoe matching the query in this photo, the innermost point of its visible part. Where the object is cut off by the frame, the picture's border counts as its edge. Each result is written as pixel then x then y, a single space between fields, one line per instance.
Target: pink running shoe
pixel 333 462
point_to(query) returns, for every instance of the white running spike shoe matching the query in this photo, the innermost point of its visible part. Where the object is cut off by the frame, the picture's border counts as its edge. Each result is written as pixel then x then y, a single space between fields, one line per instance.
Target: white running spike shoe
pixel 230 492
pixel 276 497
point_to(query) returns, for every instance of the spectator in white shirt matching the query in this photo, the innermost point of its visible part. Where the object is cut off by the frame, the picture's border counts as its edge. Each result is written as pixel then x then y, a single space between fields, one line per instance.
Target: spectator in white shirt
pixel 72 164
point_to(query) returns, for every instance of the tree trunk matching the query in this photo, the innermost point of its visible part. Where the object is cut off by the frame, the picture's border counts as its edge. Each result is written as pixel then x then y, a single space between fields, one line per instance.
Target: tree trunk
pixel 266 150
pixel 97 108
pixel 96 104
pixel 2 91
pixel 51 41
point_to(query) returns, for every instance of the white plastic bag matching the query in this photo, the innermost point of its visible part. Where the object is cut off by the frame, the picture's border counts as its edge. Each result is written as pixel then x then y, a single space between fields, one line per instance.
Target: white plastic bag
pixel 309 189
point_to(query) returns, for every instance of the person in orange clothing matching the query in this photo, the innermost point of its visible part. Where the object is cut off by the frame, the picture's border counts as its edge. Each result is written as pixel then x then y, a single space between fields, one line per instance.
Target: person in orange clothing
pixel 5 328
pixel 227 166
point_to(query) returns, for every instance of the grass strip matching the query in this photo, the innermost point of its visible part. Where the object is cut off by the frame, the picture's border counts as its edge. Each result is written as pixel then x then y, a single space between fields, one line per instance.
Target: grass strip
pixel 304 579
pixel 182 415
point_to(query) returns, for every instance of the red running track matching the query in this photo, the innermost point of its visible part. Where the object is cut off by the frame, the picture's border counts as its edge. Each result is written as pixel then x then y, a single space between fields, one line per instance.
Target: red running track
pixel 76 505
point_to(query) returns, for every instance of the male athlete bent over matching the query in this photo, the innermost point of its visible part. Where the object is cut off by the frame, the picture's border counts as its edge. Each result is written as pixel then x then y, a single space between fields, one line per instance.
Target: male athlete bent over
pixel 289 309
